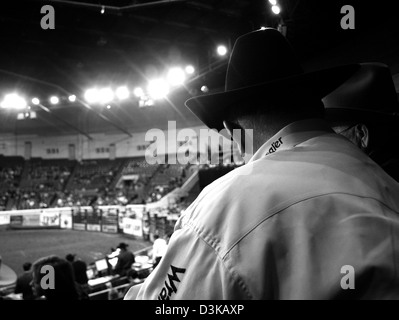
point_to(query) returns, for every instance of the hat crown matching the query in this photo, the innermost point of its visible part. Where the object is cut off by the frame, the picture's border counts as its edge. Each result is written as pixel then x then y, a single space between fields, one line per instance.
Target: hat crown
pixel 371 88
pixel 259 57
pixel 122 245
pixel 264 66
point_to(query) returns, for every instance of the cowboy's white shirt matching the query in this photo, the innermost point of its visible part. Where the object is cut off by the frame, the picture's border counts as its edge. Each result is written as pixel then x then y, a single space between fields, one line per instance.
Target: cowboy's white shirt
pixel 283 226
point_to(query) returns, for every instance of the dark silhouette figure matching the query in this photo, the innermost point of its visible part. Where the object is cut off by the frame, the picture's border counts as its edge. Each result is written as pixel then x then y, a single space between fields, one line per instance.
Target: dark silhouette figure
pixel 23 284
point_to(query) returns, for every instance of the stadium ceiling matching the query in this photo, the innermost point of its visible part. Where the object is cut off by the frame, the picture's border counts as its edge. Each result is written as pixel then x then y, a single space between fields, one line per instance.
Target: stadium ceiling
pixel 126 42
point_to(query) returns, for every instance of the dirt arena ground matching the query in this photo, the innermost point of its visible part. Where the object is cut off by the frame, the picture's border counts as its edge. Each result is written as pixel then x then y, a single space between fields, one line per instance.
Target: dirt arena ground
pixel 19 246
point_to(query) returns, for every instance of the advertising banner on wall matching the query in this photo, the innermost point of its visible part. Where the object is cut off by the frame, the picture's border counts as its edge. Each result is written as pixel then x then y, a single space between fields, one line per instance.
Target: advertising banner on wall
pixel 133 227
pixel 25 218
pixel 121 215
pixel 16 220
pixel 31 220
pixel 4 219
pixel 49 219
pixel 66 220
pixel 109 220
pixel 135 211
pixel 93 227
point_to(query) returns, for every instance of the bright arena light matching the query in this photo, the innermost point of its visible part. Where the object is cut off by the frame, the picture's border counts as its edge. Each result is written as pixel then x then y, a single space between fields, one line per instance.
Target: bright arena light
pixel 138 92
pixel 72 98
pixel 54 100
pixel 221 50
pixel 106 95
pixel 122 93
pixel 204 89
pixel 158 89
pixel 273 2
pixel 176 76
pixel 35 101
pixel 13 101
pixel 276 9
pixel 190 69
pixel 91 95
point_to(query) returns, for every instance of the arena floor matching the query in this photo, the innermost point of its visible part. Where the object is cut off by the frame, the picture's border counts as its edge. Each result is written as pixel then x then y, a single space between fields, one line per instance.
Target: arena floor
pixel 19 246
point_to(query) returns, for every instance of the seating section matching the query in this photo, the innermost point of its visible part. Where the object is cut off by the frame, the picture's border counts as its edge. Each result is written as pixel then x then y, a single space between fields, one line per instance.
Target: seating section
pixel 40 183
pixel 10 176
pixel 139 166
pixel 165 179
pixel 94 174
pixel 48 175
pixel 41 180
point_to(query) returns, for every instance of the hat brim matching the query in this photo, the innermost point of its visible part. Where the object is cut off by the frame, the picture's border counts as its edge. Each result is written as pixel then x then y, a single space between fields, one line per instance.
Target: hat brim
pixel 7 276
pixel 211 109
pixel 358 115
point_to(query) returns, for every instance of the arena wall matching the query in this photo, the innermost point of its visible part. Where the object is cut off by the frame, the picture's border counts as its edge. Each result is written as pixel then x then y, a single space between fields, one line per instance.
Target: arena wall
pixel 102 146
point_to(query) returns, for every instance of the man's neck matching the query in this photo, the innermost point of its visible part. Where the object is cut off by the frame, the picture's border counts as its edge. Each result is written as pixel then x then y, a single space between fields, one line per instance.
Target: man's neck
pixel 295 132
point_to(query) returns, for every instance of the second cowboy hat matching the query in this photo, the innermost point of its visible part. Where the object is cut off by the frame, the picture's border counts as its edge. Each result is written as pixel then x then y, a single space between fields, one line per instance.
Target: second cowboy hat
pixel 122 245
pixel 369 94
pixel 7 275
pixel 263 64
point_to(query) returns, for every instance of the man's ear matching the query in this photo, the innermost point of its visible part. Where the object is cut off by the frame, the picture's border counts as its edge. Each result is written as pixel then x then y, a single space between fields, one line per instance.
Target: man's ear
pixel 362 135
pixel 238 138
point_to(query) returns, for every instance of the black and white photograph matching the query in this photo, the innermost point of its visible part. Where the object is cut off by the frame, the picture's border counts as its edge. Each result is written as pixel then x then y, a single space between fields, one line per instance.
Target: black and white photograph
pixel 211 151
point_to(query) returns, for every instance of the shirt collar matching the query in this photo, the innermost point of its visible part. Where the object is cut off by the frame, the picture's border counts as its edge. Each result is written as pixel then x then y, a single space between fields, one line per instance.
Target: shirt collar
pixel 292 135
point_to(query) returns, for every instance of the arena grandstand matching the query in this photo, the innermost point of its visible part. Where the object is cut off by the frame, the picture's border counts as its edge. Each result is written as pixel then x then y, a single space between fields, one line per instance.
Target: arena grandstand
pixel 125 197
pixel 96 145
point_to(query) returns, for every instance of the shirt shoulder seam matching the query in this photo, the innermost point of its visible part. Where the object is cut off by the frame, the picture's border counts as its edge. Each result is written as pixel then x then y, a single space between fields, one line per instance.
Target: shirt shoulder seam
pixel 295 203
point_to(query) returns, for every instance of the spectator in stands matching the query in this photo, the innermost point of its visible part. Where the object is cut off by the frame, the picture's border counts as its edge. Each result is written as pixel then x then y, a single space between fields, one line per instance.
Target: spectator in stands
pixel 80 274
pixel 79 268
pixel 159 248
pixel 365 110
pixel 24 281
pixel 64 284
pixel 113 293
pixel 125 260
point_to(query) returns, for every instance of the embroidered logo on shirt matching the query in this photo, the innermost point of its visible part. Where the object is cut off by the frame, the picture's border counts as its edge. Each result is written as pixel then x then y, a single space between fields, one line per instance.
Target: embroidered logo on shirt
pixel 170 287
pixel 275 145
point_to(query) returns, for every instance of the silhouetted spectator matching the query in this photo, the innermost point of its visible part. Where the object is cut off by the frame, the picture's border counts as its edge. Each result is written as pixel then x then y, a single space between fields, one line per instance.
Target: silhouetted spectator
pixel 80 273
pixel 79 269
pixel 23 284
pixel 64 283
pixel 125 260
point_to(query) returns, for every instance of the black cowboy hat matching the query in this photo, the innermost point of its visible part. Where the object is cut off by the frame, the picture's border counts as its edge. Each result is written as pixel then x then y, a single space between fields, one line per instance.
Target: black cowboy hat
pixel 368 95
pixel 263 64
pixel 122 245
pixel 70 256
